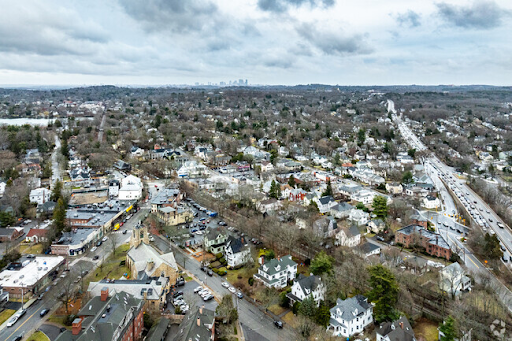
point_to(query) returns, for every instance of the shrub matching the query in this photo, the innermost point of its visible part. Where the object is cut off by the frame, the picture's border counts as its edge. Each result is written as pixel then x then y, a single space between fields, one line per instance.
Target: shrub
pixel 295 308
pixel 283 300
pixel 222 261
pixel 218 255
pixel 250 281
pixel 216 270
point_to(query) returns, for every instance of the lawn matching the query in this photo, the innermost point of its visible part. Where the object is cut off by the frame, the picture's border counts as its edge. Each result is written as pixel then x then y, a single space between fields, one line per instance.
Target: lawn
pixel 31 249
pixel 277 309
pixel 111 267
pixel 290 319
pixel 244 273
pixel 426 330
pixel 57 319
pixel 6 314
pixel 38 336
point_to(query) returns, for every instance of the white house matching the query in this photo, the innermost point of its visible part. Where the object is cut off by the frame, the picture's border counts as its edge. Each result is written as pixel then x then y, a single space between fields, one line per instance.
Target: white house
pixel 349 317
pixel 113 188
pixel 368 249
pixel 236 252
pixel 131 188
pixel 277 272
pixel 341 210
pixel 375 226
pixel 348 236
pixel 2 189
pixel 325 203
pixel 40 195
pixel 453 280
pixel 266 166
pixel 304 287
pixel 431 202
pixel 359 217
pixel 399 330
pixel 394 188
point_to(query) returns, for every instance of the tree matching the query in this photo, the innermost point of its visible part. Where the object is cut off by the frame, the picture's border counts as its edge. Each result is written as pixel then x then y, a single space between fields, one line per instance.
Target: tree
pixel 275 190
pixel 411 152
pixel 361 136
pixel 114 242
pixel 384 293
pixel 448 329
pixel 57 191
pixel 59 215
pixel 407 178
pixel 226 310
pixel 322 263
pixel 328 190
pixel 380 206
pixel 308 307
pixel 323 315
pixel 492 247
pixel 291 181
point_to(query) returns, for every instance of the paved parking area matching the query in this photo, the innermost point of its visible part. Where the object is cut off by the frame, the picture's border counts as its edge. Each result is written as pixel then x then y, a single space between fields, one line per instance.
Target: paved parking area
pixel 191 298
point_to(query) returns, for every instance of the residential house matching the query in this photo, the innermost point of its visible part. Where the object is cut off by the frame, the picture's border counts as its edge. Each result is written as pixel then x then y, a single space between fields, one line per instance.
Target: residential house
pixel 453 280
pixel 46 209
pixel 348 236
pixel 269 205
pixel 307 286
pixel 266 166
pixel 174 216
pixel 113 188
pixel 131 188
pixel 325 203
pixel 215 240
pixel 351 316
pixel 36 236
pixel 341 210
pixel 325 227
pixel 10 234
pixel 237 252
pixel 116 318
pixel 122 166
pixel 368 249
pixel 394 188
pixel 433 243
pixel 431 202
pixel 375 226
pixel 197 326
pixel 40 195
pixel 359 217
pixel 399 330
pixel 295 194
pixel 277 272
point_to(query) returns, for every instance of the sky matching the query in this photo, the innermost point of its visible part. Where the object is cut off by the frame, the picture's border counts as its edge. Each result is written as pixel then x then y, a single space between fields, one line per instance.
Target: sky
pixel 287 42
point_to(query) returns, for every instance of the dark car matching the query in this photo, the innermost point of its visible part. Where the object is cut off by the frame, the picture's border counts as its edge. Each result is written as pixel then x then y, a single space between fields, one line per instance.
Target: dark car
pixel 176 294
pixel 18 337
pixel 203 268
pixel 98 244
pixel 278 324
pixel 95 257
pixel 44 312
pixel 62 330
pixel 209 272
pixel 180 283
pixel 125 231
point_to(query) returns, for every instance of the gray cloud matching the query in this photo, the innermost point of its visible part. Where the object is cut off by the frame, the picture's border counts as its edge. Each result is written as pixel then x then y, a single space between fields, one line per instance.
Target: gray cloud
pixel 409 19
pixel 175 15
pixel 479 15
pixel 283 5
pixel 333 43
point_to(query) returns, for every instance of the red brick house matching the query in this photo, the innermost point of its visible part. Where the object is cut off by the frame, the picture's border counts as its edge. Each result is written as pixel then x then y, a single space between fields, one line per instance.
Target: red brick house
pixel 36 236
pixel 433 243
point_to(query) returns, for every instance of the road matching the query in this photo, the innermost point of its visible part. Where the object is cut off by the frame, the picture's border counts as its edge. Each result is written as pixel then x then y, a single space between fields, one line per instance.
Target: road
pixel 102 124
pixel 31 320
pixel 474 205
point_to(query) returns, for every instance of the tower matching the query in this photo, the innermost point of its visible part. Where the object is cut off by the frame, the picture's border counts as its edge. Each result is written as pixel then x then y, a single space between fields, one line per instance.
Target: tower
pixel 139 235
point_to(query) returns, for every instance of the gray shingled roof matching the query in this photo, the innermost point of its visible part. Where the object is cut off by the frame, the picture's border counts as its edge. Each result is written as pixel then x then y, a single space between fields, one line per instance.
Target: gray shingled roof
pixel 189 330
pixel 270 267
pixel 399 330
pixel 351 308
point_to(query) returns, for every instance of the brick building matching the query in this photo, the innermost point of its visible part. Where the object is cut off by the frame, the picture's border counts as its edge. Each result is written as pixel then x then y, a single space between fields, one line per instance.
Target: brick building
pixel 433 243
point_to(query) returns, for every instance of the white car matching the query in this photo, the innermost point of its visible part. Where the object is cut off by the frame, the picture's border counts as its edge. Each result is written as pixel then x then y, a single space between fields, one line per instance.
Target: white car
pixel 232 290
pixel 12 321
pixel 225 284
pixel 104 239
pixel 94 248
pixel 198 289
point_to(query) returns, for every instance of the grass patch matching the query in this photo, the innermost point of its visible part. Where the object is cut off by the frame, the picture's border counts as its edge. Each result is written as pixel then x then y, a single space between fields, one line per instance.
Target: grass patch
pixel 303 269
pixel 110 267
pixel 6 314
pixel 57 319
pixel 244 273
pixel 276 309
pixel 31 248
pixel 426 330
pixel 38 336
pixel 290 319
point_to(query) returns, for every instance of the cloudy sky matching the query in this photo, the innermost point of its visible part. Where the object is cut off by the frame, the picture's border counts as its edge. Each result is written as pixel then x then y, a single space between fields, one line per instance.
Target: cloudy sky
pixel 346 42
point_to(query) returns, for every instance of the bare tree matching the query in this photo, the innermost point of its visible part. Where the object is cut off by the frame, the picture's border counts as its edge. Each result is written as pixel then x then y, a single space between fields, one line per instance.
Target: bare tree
pixel 114 242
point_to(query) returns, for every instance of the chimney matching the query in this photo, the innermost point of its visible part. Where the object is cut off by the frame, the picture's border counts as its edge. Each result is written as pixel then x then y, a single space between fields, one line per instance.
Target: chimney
pixel 104 294
pixel 77 326
pixel 198 322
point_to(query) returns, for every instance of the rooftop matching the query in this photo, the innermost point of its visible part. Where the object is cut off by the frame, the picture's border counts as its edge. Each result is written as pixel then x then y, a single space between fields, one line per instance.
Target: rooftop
pixel 31 273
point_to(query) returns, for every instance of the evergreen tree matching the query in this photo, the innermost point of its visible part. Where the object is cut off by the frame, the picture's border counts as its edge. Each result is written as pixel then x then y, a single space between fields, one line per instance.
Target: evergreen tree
pixel 384 293
pixel 291 181
pixel 328 190
pixel 407 178
pixel 380 206
pixel 323 315
pixel 57 191
pixel 448 329
pixel 308 307
pixel 322 263
pixel 492 247
pixel 275 190
pixel 59 215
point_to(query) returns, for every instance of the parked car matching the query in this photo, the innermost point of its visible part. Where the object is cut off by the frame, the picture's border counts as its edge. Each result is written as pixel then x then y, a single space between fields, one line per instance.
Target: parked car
pixel 196 290
pixel 225 284
pixel 239 295
pixel 278 324
pixel 209 272
pixel 19 337
pixel 95 257
pixel 98 244
pixel 104 239
pixel 12 321
pixel 176 294
pixel 207 298
pixel 94 248
pixel 180 283
pixel 44 312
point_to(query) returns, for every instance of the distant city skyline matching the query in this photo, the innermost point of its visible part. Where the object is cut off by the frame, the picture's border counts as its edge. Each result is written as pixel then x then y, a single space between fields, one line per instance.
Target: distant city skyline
pixel 269 42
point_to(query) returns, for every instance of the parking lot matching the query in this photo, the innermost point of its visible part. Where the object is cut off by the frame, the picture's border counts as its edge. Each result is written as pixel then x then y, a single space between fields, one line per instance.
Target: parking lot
pixel 191 298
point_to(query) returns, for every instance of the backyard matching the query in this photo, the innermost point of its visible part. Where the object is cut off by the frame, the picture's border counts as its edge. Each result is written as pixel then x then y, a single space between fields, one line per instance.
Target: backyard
pixel 38 336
